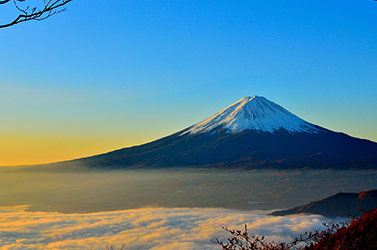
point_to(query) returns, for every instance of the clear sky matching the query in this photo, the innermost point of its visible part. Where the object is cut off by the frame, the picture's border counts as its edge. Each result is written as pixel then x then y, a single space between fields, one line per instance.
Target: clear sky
pixel 106 75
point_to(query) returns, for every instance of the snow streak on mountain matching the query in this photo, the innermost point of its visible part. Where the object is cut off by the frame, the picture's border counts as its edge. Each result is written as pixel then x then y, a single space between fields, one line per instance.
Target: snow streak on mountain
pixel 253 113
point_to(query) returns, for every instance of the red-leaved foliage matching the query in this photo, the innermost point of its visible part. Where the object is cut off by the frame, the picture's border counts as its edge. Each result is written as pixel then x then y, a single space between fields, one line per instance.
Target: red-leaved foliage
pixel 359 235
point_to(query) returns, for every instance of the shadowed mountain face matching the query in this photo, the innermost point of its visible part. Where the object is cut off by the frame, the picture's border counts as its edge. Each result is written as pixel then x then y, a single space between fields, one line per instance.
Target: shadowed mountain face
pixel 338 205
pixel 251 133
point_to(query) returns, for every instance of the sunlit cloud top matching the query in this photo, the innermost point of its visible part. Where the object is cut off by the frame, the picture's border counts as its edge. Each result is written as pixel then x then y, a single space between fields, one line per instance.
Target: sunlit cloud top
pixel 148 228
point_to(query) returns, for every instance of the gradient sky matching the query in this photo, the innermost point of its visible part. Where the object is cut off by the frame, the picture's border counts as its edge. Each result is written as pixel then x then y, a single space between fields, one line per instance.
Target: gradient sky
pixel 103 76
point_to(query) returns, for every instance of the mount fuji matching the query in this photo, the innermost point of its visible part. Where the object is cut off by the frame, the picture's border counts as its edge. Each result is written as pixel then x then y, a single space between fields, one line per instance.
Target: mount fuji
pixel 251 133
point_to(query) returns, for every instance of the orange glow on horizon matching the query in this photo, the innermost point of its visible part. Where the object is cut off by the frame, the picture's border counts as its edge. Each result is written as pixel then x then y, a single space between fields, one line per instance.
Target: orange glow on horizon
pixel 40 149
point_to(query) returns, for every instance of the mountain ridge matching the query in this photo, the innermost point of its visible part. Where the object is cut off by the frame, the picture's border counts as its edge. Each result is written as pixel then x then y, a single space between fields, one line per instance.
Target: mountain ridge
pixel 339 205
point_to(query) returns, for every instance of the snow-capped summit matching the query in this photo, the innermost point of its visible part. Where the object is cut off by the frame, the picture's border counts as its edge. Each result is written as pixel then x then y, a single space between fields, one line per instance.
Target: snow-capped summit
pixel 253 113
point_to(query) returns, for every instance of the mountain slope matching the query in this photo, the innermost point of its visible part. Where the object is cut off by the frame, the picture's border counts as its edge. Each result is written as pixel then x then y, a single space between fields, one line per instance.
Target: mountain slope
pixel 338 205
pixel 252 133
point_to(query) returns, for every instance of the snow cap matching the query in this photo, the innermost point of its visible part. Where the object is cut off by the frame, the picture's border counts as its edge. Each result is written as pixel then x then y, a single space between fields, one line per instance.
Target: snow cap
pixel 253 113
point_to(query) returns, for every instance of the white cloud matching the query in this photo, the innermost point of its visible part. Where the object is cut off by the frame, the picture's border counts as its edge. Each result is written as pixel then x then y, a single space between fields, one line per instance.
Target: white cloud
pixel 146 228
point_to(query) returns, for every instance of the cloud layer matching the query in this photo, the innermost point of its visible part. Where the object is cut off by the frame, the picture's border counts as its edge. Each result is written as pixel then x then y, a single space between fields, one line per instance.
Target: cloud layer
pixel 147 228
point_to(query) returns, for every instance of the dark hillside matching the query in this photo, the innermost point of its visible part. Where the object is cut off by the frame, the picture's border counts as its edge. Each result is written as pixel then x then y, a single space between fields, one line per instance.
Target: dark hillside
pixel 338 205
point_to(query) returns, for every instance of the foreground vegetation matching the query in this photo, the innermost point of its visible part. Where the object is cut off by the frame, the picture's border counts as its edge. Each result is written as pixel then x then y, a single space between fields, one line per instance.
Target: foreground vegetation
pixel 354 234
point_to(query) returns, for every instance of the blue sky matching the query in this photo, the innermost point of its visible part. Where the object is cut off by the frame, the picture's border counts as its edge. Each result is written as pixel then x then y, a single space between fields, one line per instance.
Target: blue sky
pixel 103 76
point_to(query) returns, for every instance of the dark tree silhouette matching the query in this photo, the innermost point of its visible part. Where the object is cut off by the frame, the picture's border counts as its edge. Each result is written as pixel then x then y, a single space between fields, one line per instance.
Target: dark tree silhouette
pixel 38 12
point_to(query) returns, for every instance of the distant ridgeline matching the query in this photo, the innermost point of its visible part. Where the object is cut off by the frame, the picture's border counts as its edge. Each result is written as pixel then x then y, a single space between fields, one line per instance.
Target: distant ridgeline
pixel 338 205
pixel 251 133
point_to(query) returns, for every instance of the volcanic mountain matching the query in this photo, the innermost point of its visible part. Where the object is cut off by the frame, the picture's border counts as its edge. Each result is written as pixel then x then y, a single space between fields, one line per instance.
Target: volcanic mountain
pixel 251 133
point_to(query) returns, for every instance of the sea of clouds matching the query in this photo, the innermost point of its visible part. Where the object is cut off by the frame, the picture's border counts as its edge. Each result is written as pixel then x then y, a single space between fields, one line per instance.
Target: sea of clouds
pixel 145 228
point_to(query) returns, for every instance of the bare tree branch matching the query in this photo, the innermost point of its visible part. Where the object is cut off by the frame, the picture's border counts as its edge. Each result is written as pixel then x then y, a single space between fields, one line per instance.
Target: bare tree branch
pixel 48 9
